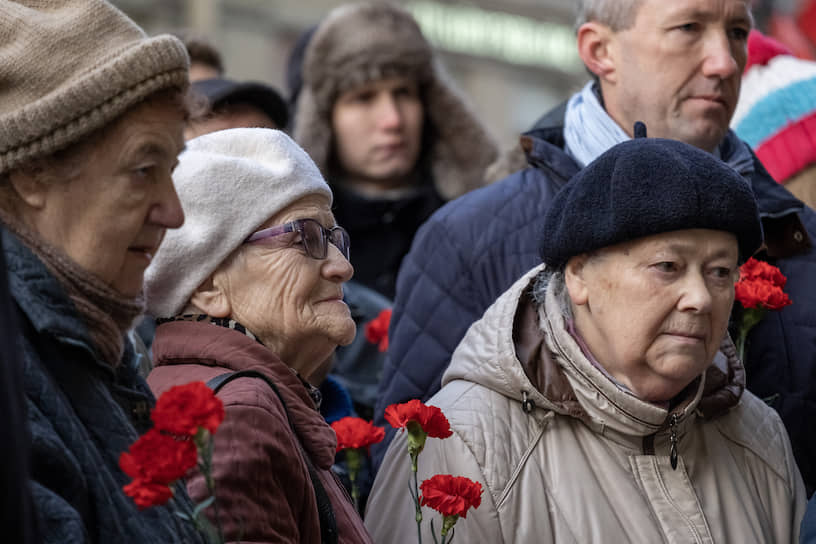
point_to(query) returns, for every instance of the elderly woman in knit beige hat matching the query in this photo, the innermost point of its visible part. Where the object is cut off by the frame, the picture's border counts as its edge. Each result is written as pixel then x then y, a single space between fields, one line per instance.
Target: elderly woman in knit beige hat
pixel 249 296
pixel 91 125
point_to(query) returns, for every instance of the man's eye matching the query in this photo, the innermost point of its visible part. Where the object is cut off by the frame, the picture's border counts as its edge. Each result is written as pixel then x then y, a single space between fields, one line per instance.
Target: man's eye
pixel 666 266
pixel 688 27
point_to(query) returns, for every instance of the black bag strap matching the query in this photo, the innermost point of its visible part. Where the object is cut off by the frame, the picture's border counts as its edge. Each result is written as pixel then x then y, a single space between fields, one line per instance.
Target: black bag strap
pixel 328 523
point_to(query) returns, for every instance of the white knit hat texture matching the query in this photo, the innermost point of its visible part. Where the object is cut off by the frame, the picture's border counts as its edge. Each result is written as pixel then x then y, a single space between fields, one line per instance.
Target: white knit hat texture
pixel 229 182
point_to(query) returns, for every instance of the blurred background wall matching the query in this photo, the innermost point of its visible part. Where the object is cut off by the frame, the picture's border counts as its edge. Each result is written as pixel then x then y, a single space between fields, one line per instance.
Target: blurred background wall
pixel 514 59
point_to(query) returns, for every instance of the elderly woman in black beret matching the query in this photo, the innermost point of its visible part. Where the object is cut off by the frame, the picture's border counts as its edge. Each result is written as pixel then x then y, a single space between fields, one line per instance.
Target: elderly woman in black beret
pixel 600 399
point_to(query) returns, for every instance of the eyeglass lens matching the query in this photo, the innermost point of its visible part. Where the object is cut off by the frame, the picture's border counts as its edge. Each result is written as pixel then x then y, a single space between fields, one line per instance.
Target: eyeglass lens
pixel 315 238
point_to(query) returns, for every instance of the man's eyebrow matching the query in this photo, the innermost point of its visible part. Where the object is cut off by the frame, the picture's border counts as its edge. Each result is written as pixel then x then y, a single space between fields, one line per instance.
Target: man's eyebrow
pixel 696 13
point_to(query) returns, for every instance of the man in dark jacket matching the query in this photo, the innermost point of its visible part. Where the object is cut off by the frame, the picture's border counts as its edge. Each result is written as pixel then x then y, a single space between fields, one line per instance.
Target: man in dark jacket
pixel 391 136
pixel 675 66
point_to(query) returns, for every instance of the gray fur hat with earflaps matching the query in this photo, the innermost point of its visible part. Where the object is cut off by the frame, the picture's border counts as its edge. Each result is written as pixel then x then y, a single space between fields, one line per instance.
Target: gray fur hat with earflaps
pixel 367 41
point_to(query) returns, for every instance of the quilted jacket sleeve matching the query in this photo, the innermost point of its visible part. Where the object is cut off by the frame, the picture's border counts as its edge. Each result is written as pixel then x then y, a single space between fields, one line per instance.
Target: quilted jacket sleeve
pixel 434 307
pixel 467 254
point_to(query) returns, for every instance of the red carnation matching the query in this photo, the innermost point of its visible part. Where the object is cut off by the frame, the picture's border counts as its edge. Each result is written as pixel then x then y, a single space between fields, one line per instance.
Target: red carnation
pixel 760 286
pixel 158 458
pixel 430 418
pixel 183 409
pixel 353 432
pixel 451 495
pixel 759 289
pixel 376 330
pixel 146 494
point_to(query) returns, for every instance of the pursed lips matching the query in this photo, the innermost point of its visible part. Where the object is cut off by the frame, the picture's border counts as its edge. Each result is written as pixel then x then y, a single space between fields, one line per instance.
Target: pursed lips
pixel 332 298
pixel 690 335
pixel 716 98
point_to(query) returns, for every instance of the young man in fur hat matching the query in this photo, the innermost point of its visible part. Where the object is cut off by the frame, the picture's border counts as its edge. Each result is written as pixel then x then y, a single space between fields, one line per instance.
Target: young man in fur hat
pixel 676 66
pixel 389 133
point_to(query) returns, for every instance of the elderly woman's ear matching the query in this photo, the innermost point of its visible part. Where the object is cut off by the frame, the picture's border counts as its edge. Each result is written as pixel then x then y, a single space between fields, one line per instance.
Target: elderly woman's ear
pixel 210 298
pixel 574 278
pixel 31 190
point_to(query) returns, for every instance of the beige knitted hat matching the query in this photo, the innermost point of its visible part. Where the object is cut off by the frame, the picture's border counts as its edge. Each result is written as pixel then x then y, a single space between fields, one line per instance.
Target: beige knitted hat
pixel 229 182
pixel 68 67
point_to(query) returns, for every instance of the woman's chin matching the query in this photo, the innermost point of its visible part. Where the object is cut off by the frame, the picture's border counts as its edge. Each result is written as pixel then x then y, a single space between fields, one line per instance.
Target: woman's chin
pixel 347 336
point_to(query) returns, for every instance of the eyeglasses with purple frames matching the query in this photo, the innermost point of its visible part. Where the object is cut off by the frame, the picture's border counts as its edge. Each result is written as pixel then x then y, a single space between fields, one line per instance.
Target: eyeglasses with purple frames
pixel 315 237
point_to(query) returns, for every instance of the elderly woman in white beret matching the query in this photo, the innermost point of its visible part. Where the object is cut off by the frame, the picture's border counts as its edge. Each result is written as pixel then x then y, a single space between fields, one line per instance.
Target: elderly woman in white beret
pixel 249 296
pixel 600 399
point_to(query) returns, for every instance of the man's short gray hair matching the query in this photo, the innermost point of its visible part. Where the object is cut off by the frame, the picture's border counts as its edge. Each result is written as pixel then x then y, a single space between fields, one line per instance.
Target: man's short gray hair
pixel 616 14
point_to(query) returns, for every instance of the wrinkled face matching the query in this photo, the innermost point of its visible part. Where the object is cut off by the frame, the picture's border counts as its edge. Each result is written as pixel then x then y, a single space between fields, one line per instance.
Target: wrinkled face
pixel 678 69
pixel 111 217
pixel 240 115
pixel 377 129
pixel 654 311
pixel 292 302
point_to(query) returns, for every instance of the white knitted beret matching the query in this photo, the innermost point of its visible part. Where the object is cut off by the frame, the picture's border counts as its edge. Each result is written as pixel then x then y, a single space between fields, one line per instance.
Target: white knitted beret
pixel 230 182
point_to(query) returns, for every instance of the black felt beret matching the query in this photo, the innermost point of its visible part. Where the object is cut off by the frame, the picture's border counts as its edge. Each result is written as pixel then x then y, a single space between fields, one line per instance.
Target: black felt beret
pixel 647 186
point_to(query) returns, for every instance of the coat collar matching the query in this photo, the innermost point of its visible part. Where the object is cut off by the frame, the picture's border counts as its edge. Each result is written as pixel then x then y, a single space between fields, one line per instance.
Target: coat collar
pixel 44 302
pixel 514 352
pixel 202 343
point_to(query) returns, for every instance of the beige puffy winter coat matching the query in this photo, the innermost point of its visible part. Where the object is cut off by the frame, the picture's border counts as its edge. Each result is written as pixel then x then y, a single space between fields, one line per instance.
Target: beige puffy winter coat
pixel 587 462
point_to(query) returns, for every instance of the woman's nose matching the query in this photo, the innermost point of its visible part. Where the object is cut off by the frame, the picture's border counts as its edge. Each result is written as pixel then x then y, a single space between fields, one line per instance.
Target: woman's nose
pixel 336 267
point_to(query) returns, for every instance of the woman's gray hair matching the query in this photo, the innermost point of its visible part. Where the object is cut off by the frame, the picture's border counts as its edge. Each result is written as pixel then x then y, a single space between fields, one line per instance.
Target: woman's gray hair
pixel 616 14
pixel 554 279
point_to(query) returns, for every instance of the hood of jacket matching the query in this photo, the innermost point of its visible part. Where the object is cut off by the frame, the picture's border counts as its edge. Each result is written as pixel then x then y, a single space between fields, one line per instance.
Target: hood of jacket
pixel 530 357
pixel 366 41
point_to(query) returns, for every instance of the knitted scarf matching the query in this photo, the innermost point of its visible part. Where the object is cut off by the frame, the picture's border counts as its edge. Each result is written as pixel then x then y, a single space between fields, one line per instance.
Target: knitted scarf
pixel 229 323
pixel 107 313
pixel 589 132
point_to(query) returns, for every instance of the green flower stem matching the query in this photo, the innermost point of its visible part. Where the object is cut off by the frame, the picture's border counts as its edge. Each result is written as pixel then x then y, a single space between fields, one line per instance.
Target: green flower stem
pixel 418 517
pixel 205 445
pixel 750 317
pixel 743 334
pixel 354 461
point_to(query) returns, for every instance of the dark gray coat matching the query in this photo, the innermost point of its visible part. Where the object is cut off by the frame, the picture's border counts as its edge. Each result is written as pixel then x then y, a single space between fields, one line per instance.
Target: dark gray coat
pixel 82 414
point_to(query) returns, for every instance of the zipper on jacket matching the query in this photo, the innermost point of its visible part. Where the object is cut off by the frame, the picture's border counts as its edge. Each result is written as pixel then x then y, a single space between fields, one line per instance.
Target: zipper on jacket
pixel 673 440
pixel 649 440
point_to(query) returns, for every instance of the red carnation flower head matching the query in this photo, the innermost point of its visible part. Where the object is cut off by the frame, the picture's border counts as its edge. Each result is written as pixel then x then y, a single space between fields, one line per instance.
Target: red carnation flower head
pixel 184 409
pixel 354 432
pixel 376 330
pixel 451 496
pixel 146 494
pixel 158 458
pixel 430 418
pixel 760 286
pixel 421 421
